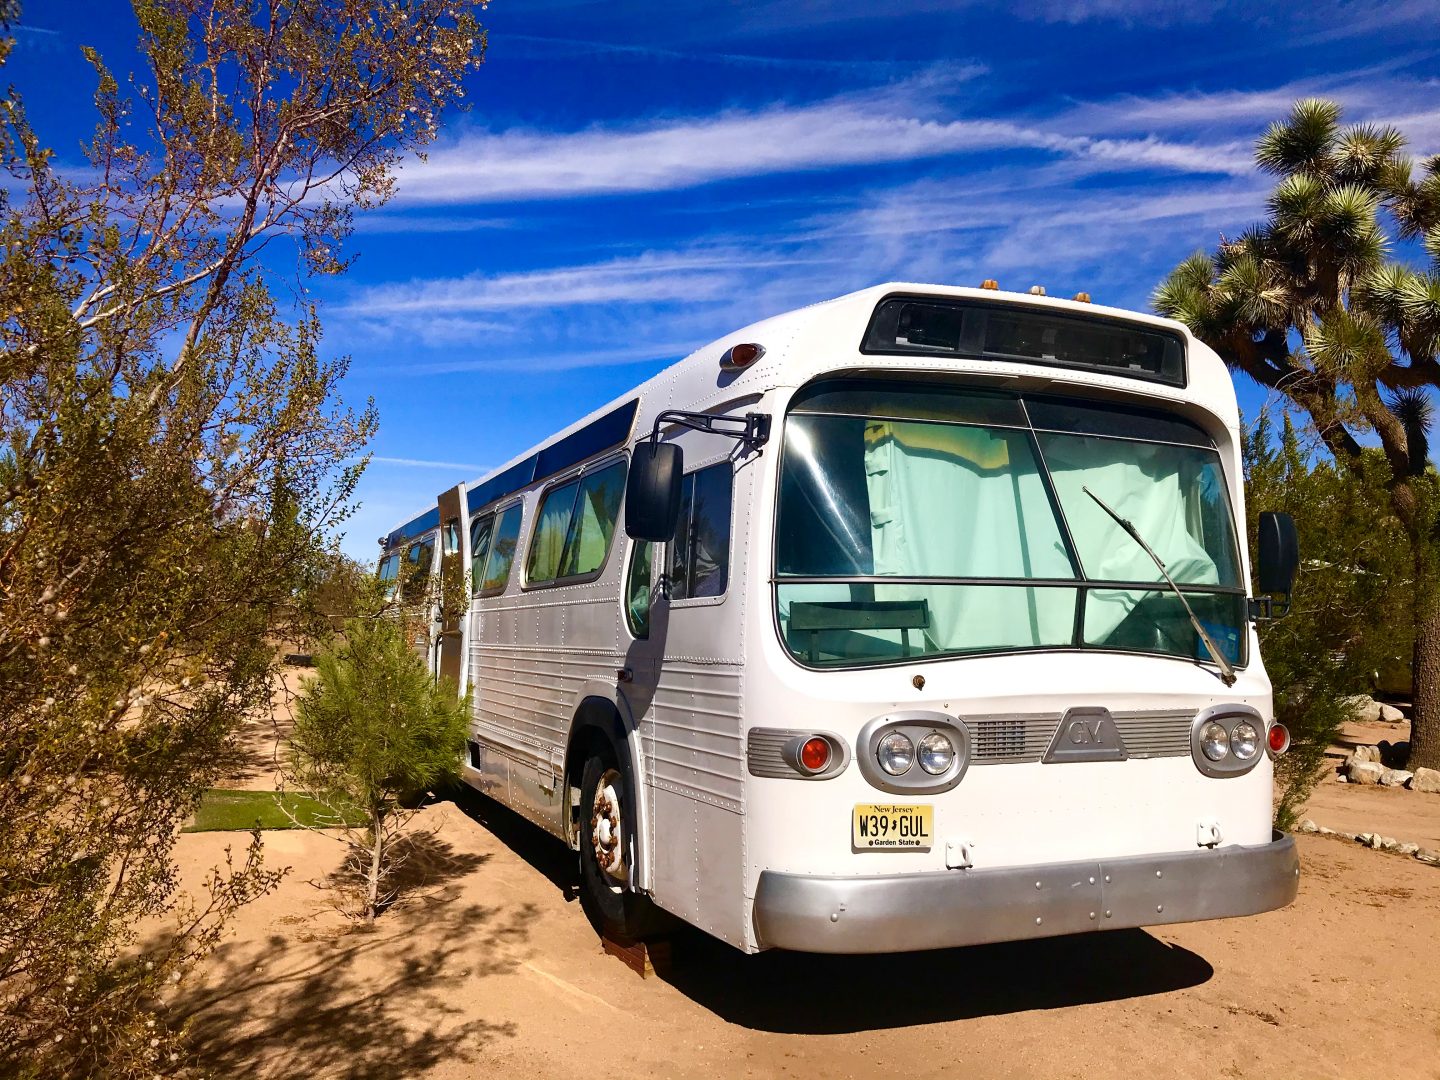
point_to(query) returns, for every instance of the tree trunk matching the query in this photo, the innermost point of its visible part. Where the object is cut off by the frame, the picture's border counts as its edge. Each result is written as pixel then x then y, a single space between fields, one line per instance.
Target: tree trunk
pixel 372 882
pixel 1425 721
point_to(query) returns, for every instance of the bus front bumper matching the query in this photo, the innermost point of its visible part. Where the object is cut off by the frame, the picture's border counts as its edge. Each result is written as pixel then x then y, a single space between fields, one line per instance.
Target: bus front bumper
pixel 938 910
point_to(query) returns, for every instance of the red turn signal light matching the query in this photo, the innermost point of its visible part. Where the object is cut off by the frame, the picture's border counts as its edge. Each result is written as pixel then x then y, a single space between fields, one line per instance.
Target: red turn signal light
pixel 815 754
pixel 1279 738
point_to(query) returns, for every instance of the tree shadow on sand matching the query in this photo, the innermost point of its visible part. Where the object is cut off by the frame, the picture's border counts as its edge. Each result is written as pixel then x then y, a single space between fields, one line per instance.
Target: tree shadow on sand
pixel 424 869
pixel 354 1004
pixel 800 993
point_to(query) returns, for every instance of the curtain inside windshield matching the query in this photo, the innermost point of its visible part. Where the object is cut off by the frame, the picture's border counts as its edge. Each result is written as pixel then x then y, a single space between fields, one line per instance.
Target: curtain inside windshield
pixel 885 496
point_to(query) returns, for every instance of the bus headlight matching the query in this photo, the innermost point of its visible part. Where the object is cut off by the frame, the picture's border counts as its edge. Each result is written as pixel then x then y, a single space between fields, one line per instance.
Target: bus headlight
pixel 1225 740
pixel 896 753
pixel 1244 740
pixel 1214 741
pixel 936 753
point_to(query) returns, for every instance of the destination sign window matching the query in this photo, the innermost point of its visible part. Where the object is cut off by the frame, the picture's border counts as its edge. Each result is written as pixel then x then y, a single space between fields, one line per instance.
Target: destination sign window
pixel 975 329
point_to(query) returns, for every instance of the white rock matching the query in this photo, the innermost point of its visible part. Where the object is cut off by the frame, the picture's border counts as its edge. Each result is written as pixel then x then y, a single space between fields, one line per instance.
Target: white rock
pixel 1323 831
pixel 1395 778
pixel 1426 780
pixel 1408 849
pixel 1364 709
pixel 1342 779
pixel 1387 843
pixel 1367 838
pixel 1366 772
pixel 1391 715
pixel 1359 756
pixel 1428 855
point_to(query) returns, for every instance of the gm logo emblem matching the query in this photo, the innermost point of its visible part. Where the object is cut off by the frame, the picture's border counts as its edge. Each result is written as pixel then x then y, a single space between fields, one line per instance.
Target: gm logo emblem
pixel 1086 733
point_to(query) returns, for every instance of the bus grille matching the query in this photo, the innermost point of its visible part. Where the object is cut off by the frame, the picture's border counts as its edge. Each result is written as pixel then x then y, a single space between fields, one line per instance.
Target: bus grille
pixel 996 740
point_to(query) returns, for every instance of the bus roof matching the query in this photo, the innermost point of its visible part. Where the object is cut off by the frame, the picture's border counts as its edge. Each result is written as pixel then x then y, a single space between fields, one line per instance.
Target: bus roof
pixel 831 330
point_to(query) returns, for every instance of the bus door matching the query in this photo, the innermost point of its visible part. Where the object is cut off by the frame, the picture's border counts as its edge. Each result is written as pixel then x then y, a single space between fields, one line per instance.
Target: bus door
pixel 453 601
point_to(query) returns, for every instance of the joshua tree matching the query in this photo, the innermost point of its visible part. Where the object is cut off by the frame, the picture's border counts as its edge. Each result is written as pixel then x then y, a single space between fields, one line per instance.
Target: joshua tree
pixel 1318 304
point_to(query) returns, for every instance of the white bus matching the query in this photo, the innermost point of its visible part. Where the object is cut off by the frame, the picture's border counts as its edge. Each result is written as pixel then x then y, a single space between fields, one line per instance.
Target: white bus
pixel 870 652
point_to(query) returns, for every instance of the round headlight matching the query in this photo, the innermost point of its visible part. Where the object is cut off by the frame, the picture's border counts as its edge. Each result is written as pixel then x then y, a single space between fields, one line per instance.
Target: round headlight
pixel 937 753
pixel 896 753
pixel 1244 740
pixel 1214 741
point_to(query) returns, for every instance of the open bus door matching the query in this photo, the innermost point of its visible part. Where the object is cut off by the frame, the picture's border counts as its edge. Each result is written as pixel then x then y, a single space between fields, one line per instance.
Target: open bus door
pixel 454 593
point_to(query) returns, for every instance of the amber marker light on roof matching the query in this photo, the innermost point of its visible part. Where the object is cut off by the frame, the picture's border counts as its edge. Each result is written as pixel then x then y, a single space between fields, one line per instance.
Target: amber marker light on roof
pixel 740 356
pixel 1037 290
pixel 989 283
pixel 1082 297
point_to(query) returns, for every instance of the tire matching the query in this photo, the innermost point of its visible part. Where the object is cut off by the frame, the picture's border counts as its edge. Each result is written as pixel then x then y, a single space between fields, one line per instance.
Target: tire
pixel 613 908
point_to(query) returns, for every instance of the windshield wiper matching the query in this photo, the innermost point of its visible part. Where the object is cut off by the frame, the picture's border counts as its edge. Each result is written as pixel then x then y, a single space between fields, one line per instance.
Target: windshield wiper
pixel 1227 673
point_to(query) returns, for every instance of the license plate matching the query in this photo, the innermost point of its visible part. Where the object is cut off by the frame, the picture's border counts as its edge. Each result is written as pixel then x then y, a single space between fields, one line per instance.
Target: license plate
pixel 892 827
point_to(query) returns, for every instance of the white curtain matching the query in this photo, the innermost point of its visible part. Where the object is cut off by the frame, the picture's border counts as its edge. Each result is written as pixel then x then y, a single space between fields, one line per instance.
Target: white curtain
pixel 966 502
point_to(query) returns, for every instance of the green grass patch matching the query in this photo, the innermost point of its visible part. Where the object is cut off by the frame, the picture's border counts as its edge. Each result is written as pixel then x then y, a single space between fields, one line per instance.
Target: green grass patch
pixel 224 810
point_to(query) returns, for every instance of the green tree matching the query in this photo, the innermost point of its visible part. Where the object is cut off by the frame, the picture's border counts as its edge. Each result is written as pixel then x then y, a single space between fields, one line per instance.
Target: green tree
pixel 173 461
pixel 372 727
pixel 1350 610
pixel 1312 305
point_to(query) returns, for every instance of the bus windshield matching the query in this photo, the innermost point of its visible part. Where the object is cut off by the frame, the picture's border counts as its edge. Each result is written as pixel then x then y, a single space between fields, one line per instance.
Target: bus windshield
pixel 920 520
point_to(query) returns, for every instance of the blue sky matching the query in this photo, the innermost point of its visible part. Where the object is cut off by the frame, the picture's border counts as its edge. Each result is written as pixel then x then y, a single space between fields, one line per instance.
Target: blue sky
pixel 634 180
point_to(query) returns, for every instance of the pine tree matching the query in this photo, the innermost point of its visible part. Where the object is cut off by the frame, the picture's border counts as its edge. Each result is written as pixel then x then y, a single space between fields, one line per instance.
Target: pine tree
pixel 371 727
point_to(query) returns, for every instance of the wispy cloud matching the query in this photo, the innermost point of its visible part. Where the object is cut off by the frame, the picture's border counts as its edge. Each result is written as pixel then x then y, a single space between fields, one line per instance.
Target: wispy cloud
pixel 518 165
pixel 417 463
pixel 694 275
pixel 712 57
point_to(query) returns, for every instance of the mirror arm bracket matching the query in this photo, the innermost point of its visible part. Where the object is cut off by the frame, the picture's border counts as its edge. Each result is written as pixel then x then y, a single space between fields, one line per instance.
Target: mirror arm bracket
pixel 1267 608
pixel 753 430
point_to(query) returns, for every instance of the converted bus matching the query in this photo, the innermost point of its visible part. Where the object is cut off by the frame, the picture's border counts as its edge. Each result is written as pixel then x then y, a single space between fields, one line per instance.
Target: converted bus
pixel 913 619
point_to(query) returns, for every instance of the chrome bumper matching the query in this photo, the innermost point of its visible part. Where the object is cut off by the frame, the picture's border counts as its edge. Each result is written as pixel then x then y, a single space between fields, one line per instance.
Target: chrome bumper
pixel 905 912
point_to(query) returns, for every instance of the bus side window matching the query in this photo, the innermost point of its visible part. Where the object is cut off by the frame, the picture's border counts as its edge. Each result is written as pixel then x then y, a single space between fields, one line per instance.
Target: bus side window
pixel 502 552
pixel 389 568
pixel 593 524
pixel 637 589
pixel 552 522
pixel 700 553
pixel 418 557
pixel 480 530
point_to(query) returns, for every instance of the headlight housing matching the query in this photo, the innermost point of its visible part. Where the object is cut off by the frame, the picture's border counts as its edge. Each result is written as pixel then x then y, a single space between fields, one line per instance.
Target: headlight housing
pixel 1225 740
pixel 913 751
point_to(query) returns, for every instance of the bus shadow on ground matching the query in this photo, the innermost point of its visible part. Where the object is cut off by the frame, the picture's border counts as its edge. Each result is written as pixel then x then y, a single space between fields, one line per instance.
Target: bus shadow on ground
pixel 547 855
pixel 811 994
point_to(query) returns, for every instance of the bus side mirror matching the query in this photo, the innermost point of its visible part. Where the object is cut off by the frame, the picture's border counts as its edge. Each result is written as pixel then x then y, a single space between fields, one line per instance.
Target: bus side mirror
pixel 652 491
pixel 1279 552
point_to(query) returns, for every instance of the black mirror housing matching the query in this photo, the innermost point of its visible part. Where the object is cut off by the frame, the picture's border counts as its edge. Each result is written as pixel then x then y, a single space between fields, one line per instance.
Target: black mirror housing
pixel 652 491
pixel 1279 552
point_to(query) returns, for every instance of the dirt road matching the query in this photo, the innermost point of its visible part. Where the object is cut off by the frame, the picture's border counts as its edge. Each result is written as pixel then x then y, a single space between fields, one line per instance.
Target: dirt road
pixel 490 968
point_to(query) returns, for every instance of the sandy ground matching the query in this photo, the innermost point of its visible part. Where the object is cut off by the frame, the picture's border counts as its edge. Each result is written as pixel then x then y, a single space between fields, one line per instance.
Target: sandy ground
pixel 490 967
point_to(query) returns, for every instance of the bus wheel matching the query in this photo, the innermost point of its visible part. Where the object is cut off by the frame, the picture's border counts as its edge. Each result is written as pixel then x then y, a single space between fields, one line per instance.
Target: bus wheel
pixel 607 853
